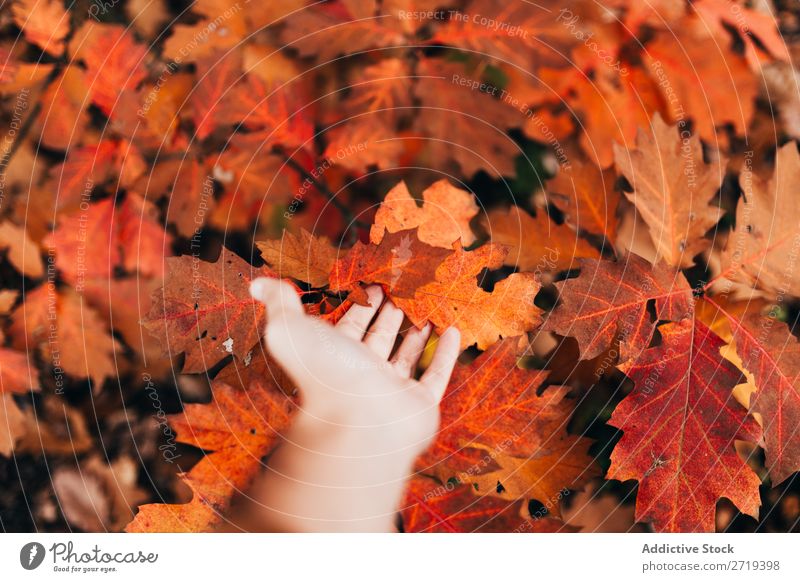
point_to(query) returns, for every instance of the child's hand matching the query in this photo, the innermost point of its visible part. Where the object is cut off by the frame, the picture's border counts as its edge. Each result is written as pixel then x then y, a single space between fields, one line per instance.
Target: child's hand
pixel 364 418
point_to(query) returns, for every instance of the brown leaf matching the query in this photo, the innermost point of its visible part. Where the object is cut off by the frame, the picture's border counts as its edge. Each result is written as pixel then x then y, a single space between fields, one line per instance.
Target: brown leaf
pixel 205 310
pixel 304 257
pixel 536 243
pixel 672 190
pixel 609 300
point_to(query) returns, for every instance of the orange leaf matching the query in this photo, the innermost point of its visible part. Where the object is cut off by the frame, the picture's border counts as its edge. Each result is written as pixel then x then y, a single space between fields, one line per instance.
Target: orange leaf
pixel 442 220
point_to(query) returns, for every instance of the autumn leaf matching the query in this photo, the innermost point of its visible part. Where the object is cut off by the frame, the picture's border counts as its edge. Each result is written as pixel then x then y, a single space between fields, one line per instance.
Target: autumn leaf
pixel 455 299
pixel 71 336
pixel 303 257
pixel 23 253
pixel 205 310
pixel 17 374
pixel 771 353
pixel 679 425
pixel 442 219
pixel 347 27
pixel 84 169
pixel 610 299
pixel 236 430
pixel 44 23
pixel 434 508
pixel 536 243
pixel 711 84
pixel 763 247
pixel 587 197
pixel 400 261
pixel 12 424
pixel 672 190
pixel 492 405
pixel 562 462
pixel 466 126
pixel 115 62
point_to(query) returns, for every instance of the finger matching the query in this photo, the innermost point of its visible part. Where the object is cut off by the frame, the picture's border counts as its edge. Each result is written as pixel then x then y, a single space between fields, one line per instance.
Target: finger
pixel 383 333
pixel 278 296
pixel 437 375
pixel 355 322
pixel 408 354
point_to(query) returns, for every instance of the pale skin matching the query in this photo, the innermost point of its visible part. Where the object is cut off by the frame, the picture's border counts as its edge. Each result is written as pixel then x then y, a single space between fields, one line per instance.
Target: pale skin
pixel 343 463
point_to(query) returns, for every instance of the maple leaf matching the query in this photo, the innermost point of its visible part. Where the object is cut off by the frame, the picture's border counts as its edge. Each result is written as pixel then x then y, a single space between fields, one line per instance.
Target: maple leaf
pixel 274 112
pixel 44 23
pixel 114 63
pixel 303 257
pixel 714 86
pixel 191 193
pixel 442 220
pixel 400 261
pixel 762 249
pixel 672 190
pixel 536 243
pixel 85 243
pixel 92 242
pixel 587 197
pixel 236 429
pixel 455 299
pixel 679 425
pixel 492 404
pixel 610 299
pixel 12 424
pixel 463 125
pixel 772 354
pixel 205 310
pixel 68 95
pixel 430 507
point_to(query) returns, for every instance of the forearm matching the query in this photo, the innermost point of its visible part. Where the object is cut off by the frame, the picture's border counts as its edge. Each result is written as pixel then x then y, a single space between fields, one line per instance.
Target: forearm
pixel 327 477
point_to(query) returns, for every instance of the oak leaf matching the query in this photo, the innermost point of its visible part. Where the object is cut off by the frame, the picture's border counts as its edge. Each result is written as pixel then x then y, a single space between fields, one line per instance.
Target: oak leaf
pixel 679 425
pixel 304 257
pixel 205 310
pixel 454 298
pixel 672 190
pixel 236 430
pixel 772 354
pixel 400 261
pixel 762 250
pixel 610 299
pixel 536 243
pixel 442 219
